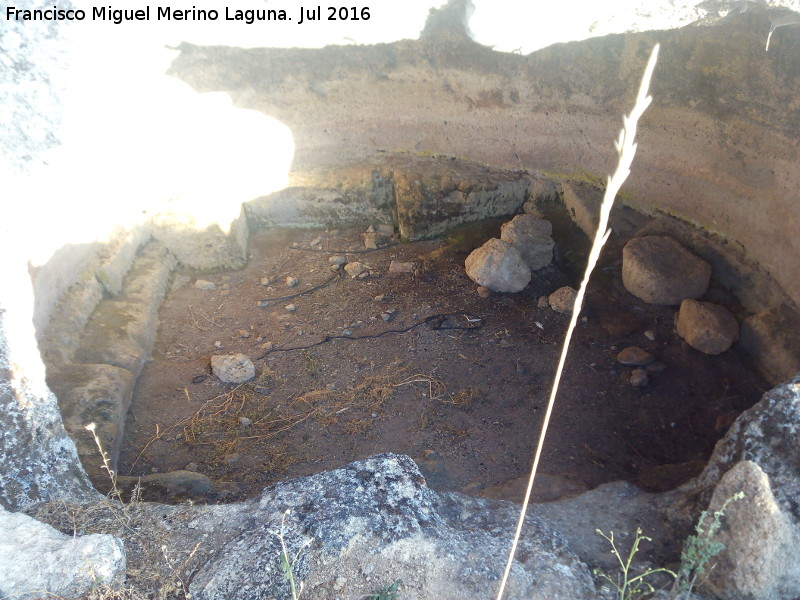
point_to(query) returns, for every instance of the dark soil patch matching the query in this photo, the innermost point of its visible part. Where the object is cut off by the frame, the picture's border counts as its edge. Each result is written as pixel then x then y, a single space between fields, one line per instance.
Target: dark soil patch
pixel 466 403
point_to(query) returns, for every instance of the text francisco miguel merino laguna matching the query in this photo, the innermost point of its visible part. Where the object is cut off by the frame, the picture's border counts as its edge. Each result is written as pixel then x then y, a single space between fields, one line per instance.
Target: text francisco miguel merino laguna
pixel 167 13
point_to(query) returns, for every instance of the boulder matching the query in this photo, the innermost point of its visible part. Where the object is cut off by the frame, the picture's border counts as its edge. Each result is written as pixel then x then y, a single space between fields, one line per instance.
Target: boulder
pixel 563 299
pixel 761 541
pixel 770 338
pixel 498 266
pixel 233 368
pixel 531 236
pixel 658 270
pixel 36 561
pixel 374 522
pixel 706 327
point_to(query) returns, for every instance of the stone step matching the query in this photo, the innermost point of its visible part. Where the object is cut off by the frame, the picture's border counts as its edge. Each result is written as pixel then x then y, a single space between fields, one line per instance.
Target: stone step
pixel 122 330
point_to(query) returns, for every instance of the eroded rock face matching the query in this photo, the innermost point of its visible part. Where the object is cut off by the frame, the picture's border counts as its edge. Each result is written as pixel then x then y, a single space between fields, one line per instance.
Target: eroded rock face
pixel 375 522
pixel 658 270
pixel 706 327
pixel 498 266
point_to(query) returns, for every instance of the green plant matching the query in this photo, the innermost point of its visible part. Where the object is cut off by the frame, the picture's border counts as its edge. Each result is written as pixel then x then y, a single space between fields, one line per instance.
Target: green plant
pixel 700 549
pixel 287 563
pixel 387 592
pixel 628 585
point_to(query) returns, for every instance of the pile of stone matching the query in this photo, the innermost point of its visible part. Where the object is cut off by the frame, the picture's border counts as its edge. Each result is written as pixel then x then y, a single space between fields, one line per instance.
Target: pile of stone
pixel 505 264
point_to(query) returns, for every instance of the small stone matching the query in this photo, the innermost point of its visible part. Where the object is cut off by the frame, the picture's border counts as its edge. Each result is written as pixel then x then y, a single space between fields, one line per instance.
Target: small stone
pixel 192 466
pixel 370 229
pixel 386 316
pixel 243 333
pixel 656 367
pixel 531 236
pixel 650 335
pixel 265 281
pixel 225 293
pixel 387 230
pixel 380 298
pixel 543 302
pixel 233 368
pixel 337 261
pixel 563 299
pixel 267 345
pixel 633 356
pixel 245 422
pixel 226 286
pixel 639 378
pixel 204 284
pixel 292 282
pixel 370 240
pixel 217 344
pixel 401 267
pixel 363 275
pixel 315 242
pixel 259 339
pixel 484 292
pixel 354 269
pixel 290 307
pixel 263 303
pixel 347 332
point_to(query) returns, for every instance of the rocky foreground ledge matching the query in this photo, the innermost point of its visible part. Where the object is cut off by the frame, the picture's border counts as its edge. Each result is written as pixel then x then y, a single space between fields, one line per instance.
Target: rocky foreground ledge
pixel 375 522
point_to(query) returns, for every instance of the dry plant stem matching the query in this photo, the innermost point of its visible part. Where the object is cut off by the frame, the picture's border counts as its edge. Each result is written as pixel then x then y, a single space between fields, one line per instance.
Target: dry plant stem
pixel 627 149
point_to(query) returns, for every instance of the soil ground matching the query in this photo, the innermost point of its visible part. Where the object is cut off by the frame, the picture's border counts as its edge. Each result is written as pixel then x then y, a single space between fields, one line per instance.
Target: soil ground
pixel 464 396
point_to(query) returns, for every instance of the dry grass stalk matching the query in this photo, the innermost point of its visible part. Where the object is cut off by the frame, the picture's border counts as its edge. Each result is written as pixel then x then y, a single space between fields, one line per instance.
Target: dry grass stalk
pixel 627 149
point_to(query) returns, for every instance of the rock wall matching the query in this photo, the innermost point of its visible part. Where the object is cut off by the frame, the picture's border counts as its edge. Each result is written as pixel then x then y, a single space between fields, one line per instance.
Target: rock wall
pixel 718 147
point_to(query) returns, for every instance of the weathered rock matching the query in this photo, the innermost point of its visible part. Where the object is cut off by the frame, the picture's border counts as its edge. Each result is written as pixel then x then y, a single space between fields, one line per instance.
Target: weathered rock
pixel 531 236
pixel 769 435
pixel 771 339
pixel 36 561
pixel 99 394
pixel 761 542
pixel 337 261
pixel 583 203
pixel 634 356
pixel 498 266
pixel 376 521
pixel 658 270
pixel 563 299
pixel 292 281
pixel 354 269
pixel 171 486
pixel 706 327
pixel 233 368
pixel 484 292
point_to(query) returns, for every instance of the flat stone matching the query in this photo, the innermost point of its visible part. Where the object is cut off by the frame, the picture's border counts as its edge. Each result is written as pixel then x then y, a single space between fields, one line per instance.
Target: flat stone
pixel 401 267
pixel 354 269
pixel 706 327
pixel 635 357
pixel 658 270
pixel 337 261
pixel 233 368
pixel 498 266
pixel 563 299
pixel 639 378
pixel 532 237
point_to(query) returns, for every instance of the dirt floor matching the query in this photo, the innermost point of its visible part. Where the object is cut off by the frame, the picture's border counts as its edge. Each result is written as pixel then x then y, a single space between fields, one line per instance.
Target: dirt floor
pixel 464 395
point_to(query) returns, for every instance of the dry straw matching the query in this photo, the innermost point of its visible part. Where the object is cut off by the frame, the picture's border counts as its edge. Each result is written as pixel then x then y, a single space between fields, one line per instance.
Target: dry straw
pixel 627 149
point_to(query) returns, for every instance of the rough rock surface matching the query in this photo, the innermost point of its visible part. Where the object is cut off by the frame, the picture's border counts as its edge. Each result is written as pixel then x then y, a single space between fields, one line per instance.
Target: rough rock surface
pixel 658 270
pixel 707 327
pixel 374 522
pixel 39 461
pixel 99 394
pixel 498 266
pixel 770 338
pixel 233 368
pixel 532 237
pixel 761 541
pixel 36 561
pixel 563 299
pixel 767 434
pixel 174 485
